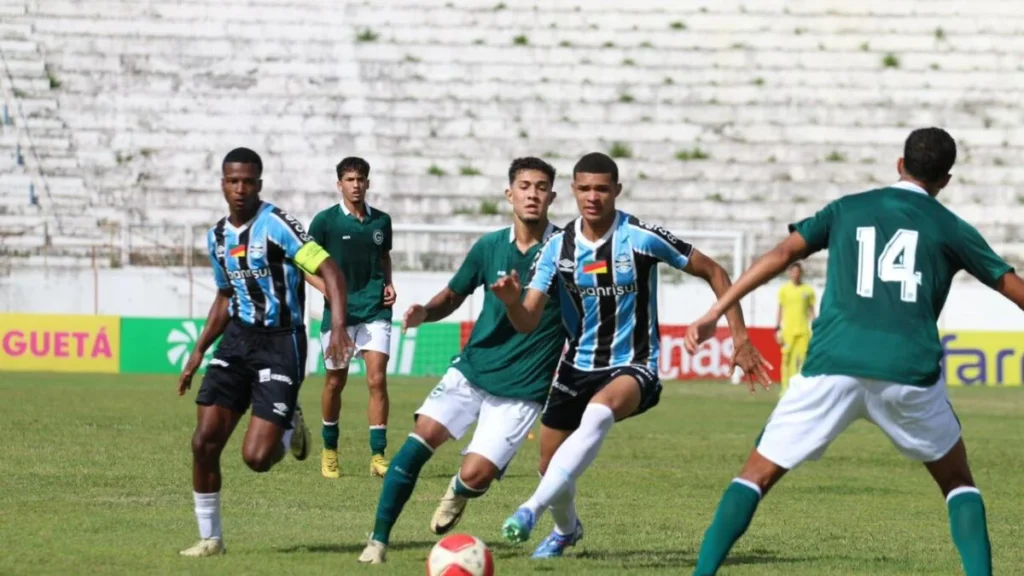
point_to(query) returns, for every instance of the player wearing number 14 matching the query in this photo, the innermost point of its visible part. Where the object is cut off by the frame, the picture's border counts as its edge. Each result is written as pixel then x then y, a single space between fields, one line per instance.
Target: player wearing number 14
pixel 875 352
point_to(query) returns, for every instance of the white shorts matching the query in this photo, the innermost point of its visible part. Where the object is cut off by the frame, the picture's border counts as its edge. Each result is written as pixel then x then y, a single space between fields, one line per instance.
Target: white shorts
pixel 374 336
pixel 502 423
pixel 812 413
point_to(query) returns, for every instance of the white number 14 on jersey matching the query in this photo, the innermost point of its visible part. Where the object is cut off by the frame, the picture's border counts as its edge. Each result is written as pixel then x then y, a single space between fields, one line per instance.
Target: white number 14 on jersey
pixel 895 264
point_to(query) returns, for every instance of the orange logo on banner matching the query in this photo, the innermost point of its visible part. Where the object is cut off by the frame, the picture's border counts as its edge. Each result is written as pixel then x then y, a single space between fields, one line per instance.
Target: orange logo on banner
pixel 54 343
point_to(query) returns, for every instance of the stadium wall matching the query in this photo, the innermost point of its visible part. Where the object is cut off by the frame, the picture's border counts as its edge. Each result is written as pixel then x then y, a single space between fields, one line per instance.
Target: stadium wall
pixel 171 293
pixel 139 320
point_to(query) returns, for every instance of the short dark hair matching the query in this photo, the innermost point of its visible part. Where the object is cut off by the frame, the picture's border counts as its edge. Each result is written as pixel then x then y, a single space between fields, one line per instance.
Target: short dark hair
pixel 243 156
pixel 353 164
pixel 797 265
pixel 929 154
pixel 597 163
pixel 530 163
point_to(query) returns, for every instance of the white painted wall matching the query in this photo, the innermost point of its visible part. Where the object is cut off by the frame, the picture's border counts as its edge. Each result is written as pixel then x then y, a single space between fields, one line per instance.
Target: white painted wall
pixel 166 292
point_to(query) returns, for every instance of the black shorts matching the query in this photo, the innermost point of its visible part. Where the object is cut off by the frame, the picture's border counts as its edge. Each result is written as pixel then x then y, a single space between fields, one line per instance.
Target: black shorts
pixel 262 367
pixel 573 389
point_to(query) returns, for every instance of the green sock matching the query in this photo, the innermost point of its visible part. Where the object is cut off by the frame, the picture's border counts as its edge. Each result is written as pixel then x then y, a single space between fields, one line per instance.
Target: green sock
pixel 465 491
pixel 732 517
pixel 970 530
pixel 378 439
pixel 330 434
pixel 398 485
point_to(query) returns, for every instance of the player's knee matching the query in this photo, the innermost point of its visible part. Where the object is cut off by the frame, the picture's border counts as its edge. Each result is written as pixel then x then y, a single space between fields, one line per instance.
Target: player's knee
pixel 477 472
pixel 205 447
pixel 334 382
pixel 431 431
pixel 377 383
pixel 257 459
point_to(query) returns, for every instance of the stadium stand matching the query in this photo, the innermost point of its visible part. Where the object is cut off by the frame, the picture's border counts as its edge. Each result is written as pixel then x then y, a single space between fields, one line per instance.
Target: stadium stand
pixel 723 119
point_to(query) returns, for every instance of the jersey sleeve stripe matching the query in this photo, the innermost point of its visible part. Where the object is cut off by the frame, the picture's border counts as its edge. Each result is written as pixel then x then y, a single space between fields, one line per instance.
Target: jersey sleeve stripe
pixel 290 224
pixel 685 251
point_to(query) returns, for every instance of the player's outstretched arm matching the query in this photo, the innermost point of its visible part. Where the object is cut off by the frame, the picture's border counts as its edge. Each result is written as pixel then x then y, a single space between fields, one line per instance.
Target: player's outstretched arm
pixel 1011 287
pixel 442 305
pixel 707 269
pixel 762 270
pixel 746 356
pixel 216 321
pixel 524 314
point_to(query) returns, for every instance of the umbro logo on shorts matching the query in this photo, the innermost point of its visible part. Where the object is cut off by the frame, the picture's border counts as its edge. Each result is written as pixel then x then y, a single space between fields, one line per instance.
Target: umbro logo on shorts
pixel 281 378
pixel 281 409
pixel 218 362
pixel 563 388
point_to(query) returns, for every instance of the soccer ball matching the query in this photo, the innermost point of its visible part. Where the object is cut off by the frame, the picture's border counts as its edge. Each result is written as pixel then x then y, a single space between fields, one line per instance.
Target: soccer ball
pixel 460 555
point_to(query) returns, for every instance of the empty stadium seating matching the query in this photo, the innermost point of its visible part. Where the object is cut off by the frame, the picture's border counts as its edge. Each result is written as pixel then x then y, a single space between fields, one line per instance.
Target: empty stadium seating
pixel 726 115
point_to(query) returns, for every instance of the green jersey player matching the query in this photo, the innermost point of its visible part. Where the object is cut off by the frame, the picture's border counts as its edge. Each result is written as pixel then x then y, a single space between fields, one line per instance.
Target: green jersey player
pixel 500 379
pixel 875 352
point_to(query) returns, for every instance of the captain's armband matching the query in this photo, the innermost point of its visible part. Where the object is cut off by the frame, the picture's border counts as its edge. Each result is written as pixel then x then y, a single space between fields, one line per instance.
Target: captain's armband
pixel 310 257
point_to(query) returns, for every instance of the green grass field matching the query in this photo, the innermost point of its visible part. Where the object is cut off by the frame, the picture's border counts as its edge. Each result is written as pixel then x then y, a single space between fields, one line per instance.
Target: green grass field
pixel 95 479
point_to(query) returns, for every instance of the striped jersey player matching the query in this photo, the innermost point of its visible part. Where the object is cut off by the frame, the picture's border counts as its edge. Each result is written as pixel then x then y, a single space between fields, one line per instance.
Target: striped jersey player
pixel 259 254
pixel 604 268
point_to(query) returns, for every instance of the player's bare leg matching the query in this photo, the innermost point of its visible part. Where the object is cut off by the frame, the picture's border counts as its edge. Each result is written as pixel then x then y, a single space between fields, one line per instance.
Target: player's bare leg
pixel 735 510
pixel 966 510
pixel 399 481
pixel 214 425
pixel 330 413
pixel 263 445
pixel 616 401
pixel 377 411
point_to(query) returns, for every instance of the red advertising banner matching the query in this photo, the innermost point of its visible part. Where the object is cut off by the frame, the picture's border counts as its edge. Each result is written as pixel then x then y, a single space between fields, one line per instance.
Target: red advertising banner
pixel 709 363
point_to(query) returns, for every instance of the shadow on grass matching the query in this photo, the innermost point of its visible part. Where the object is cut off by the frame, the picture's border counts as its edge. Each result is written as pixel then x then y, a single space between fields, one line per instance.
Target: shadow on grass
pixel 353 548
pixel 679 558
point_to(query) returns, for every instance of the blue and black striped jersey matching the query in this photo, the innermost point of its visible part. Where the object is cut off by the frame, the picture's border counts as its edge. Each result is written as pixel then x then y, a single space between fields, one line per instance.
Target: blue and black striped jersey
pixel 609 290
pixel 262 263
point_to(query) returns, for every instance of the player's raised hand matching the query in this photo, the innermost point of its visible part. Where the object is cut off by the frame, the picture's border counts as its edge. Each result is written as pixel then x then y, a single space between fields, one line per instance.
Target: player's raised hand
pixel 508 288
pixel 414 316
pixel 191 367
pixel 390 296
pixel 339 349
pixel 754 366
pixel 700 331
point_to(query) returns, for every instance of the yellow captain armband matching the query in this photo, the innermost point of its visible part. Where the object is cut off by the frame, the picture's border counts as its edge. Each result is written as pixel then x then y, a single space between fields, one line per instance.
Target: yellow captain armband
pixel 310 257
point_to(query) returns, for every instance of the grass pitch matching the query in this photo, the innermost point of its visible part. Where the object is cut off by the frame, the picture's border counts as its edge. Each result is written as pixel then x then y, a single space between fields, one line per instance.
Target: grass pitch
pixel 96 479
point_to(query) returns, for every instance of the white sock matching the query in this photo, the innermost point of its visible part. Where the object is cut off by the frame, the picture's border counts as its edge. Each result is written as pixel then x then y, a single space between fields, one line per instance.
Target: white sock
pixel 208 514
pixel 563 510
pixel 573 457
pixel 286 438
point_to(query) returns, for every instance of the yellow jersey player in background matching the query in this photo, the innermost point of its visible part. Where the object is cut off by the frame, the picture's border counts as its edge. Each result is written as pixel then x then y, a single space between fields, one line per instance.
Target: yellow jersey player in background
pixel 793 326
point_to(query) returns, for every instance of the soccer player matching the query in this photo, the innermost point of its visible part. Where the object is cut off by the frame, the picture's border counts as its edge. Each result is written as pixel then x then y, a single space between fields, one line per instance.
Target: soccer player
pixel 793 323
pixel 257 253
pixel 358 238
pixel 603 267
pixel 875 353
pixel 500 378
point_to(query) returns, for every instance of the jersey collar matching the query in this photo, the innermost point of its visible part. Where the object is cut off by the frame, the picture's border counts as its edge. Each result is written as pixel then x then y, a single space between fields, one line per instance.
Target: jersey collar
pixel 512 232
pixel 582 239
pixel 909 187
pixel 242 228
pixel 349 213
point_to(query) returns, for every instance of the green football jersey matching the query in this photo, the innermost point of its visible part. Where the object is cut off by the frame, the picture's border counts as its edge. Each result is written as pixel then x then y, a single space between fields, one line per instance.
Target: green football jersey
pixel 497 358
pixel 357 246
pixel 892 254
